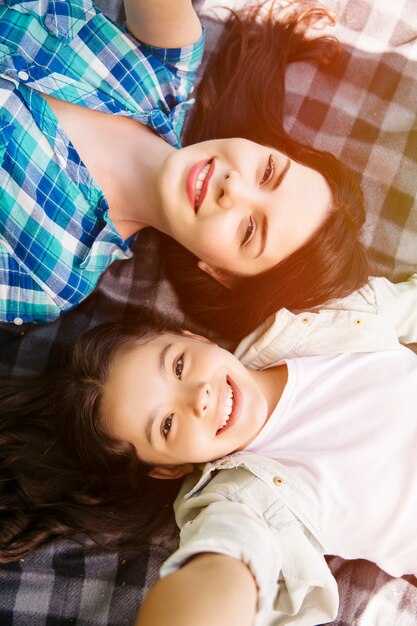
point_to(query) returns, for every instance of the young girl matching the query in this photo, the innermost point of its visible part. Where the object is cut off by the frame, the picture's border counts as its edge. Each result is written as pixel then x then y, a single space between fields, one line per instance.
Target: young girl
pixel 303 449
pixel 91 117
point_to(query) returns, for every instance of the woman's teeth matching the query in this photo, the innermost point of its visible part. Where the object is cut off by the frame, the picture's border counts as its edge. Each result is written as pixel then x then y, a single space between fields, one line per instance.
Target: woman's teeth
pixel 199 183
pixel 228 405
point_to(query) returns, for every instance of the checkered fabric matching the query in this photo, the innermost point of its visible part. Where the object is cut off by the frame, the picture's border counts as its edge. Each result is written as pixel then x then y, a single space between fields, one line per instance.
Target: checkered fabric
pixel 362 108
pixel 56 238
pixel 65 584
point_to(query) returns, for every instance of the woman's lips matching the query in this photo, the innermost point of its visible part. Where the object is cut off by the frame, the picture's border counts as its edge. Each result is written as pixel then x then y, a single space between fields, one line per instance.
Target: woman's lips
pixel 236 410
pixel 191 183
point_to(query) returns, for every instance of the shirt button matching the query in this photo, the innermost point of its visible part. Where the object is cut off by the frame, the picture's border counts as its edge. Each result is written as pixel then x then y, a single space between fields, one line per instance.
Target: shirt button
pixel 278 480
pixel 23 75
pixel 358 322
pixel 305 319
pixel 224 463
pixel 18 321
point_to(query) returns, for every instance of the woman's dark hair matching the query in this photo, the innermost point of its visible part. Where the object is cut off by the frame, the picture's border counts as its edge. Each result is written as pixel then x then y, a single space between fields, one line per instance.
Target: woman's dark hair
pixel 60 474
pixel 242 95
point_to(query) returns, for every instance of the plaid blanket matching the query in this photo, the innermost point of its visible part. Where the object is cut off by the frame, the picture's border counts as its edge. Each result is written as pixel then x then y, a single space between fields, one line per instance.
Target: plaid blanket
pixel 361 108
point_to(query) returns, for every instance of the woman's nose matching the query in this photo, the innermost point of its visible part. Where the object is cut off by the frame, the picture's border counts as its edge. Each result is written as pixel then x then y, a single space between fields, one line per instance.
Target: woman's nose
pixel 201 400
pixel 231 190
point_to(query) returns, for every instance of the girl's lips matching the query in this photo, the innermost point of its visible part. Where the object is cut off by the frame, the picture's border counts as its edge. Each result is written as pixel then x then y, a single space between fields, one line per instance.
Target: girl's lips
pixel 191 181
pixel 237 408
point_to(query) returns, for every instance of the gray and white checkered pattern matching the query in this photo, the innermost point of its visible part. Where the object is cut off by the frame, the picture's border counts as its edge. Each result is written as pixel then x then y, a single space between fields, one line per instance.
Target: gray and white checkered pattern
pixel 64 584
pixel 362 107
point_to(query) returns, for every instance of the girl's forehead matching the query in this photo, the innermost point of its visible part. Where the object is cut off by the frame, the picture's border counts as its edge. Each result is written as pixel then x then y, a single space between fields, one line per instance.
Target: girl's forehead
pixel 153 347
pixel 158 355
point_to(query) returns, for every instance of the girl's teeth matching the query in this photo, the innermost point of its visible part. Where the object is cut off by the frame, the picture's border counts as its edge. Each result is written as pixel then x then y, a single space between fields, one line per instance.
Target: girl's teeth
pixel 228 405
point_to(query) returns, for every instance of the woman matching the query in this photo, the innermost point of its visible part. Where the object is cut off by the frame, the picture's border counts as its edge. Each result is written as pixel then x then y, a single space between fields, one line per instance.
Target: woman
pixel 78 184
pixel 328 265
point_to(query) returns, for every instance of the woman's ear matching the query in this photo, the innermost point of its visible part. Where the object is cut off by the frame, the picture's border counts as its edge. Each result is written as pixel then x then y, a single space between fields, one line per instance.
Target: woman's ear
pixel 171 472
pixel 188 333
pixel 222 277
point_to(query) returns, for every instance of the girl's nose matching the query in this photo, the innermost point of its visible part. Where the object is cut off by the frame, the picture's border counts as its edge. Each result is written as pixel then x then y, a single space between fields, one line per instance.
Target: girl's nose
pixel 231 190
pixel 201 401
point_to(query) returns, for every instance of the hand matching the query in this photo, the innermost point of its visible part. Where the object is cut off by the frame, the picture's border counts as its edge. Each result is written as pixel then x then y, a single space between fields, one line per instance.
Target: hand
pixel 209 589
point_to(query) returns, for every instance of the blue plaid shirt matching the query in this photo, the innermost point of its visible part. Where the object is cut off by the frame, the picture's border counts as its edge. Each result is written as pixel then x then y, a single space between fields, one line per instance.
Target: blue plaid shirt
pixel 56 238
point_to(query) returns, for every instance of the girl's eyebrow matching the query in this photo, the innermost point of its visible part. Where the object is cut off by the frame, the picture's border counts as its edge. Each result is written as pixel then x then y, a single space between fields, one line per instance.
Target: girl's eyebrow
pixel 162 360
pixel 154 414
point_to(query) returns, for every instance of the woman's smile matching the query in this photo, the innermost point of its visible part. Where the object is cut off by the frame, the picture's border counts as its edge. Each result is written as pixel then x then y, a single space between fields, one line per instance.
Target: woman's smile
pixel 251 206
pixel 197 182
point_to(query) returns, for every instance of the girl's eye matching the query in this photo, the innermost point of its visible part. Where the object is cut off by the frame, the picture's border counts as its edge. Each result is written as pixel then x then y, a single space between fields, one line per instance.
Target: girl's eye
pixel 179 366
pixel 250 231
pixel 166 426
pixel 269 171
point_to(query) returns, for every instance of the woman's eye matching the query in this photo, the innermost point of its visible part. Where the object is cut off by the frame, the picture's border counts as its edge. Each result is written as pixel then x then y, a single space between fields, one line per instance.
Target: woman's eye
pixel 250 231
pixel 166 426
pixel 179 366
pixel 269 171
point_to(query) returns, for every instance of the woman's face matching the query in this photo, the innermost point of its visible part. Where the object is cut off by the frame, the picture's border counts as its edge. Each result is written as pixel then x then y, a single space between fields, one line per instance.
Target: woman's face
pixel 181 399
pixel 239 206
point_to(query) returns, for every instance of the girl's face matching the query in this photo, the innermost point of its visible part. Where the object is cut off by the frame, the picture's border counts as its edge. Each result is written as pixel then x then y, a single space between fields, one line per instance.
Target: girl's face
pixel 239 206
pixel 180 399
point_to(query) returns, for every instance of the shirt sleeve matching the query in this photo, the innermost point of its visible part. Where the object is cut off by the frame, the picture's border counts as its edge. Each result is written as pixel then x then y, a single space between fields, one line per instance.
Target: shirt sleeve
pixel 185 60
pixel 170 81
pixel 398 303
pixel 233 516
pixel 232 529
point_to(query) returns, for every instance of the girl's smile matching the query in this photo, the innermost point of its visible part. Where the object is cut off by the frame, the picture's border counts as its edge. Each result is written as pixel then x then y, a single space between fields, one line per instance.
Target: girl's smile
pixel 180 399
pixel 232 408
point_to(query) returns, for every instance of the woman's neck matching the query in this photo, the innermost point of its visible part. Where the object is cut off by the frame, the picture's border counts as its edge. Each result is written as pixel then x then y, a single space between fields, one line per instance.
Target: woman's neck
pixel 123 156
pixel 138 156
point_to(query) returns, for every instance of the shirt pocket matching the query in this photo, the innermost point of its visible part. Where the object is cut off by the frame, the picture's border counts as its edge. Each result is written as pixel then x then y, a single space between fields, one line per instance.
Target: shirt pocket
pixel 62 18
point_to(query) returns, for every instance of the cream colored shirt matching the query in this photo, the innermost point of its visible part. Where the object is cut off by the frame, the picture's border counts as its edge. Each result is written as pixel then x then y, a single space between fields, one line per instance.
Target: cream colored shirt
pixel 380 316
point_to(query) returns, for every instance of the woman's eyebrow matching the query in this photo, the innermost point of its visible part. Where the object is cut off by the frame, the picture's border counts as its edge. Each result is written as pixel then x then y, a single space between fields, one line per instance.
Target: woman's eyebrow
pixel 154 414
pixel 282 175
pixel 263 237
pixel 265 221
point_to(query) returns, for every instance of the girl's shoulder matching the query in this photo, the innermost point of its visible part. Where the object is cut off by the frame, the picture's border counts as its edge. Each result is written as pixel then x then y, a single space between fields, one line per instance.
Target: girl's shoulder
pixel 378 316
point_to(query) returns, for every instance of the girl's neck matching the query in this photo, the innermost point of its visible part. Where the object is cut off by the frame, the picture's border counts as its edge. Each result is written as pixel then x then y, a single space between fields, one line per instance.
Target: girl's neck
pixel 272 382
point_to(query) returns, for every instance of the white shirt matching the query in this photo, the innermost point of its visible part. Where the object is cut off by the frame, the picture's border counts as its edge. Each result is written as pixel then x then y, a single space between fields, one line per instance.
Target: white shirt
pixel 346 426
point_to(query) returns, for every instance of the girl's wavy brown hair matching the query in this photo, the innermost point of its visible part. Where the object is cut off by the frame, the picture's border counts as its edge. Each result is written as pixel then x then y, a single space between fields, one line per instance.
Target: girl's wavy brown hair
pixel 242 94
pixel 60 474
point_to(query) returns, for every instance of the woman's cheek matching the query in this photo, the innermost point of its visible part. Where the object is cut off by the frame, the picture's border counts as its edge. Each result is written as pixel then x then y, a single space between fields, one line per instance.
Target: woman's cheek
pixel 215 242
